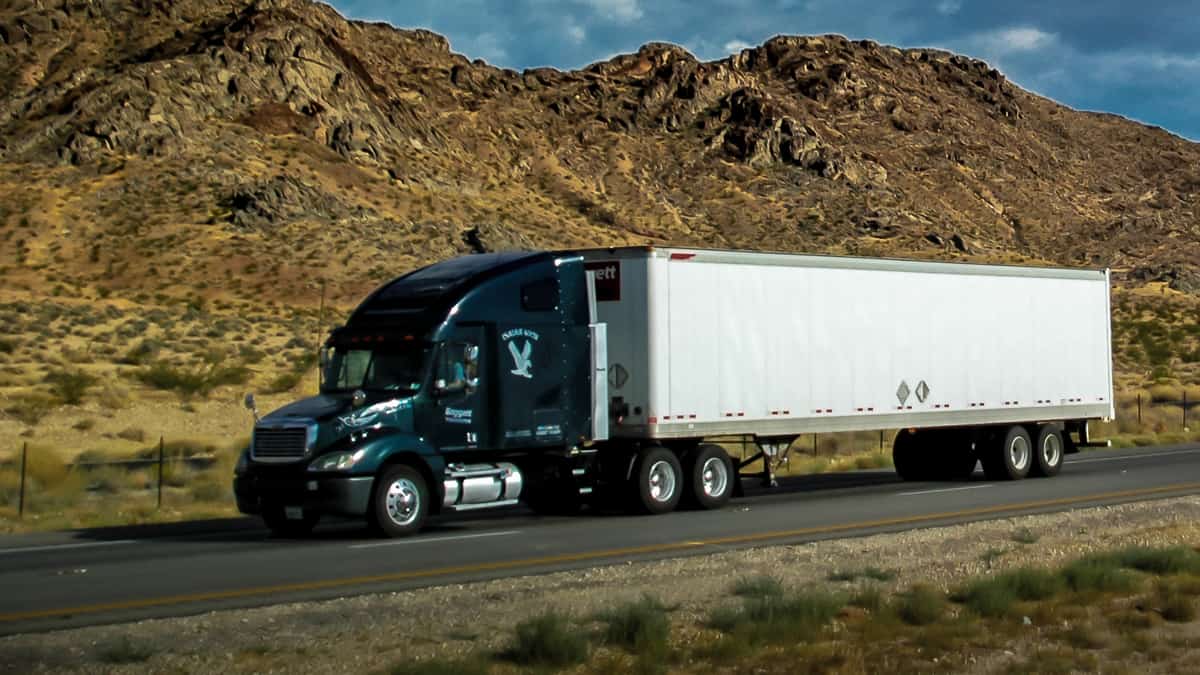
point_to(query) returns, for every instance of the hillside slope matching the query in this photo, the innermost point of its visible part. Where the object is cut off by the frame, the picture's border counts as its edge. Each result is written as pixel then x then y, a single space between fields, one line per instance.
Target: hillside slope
pixel 191 174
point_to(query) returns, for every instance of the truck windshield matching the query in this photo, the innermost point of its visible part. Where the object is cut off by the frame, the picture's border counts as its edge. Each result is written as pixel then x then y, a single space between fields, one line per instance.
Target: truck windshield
pixel 378 369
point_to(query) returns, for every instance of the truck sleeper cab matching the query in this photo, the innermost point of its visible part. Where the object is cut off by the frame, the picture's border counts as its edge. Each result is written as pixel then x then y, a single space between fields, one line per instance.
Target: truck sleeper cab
pixel 556 379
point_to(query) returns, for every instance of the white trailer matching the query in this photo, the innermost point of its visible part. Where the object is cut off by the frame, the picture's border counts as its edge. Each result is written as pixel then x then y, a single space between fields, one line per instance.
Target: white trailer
pixel 972 362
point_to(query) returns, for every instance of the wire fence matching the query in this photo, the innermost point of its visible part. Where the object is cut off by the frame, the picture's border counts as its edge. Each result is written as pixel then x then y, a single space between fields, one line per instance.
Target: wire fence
pixel 40 478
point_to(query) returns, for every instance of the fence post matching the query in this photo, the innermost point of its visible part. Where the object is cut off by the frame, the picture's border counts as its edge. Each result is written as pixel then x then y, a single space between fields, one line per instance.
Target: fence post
pixel 881 440
pixel 21 494
pixel 1185 409
pixel 160 471
pixel 1139 409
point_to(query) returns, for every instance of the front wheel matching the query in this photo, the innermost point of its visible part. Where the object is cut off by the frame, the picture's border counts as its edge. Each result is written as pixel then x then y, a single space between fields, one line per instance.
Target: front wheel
pixel 710 476
pixel 657 480
pixel 400 502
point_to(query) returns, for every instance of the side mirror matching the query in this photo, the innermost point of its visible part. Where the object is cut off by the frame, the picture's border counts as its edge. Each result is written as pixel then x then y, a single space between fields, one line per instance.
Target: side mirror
pixel 248 401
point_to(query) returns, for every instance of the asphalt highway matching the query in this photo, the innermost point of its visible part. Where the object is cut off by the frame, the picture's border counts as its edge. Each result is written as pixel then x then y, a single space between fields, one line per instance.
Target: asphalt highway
pixel 58 580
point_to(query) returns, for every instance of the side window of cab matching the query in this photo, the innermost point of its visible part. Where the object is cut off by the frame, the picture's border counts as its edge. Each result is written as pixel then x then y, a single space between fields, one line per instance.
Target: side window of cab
pixel 458 367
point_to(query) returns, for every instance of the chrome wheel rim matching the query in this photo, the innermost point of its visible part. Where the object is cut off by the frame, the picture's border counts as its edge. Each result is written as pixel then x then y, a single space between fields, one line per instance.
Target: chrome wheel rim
pixel 662 481
pixel 403 501
pixel 714 476
pixel 1018 453
pixel 1051 450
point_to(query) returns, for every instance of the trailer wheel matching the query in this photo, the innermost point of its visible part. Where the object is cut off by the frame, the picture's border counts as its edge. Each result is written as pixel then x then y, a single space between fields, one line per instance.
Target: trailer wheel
pixel 710 477
pixel 280 525
pixel 909 463
pixel 1008 454
pixel 400 502
pixel 658 480
pixel 1048 451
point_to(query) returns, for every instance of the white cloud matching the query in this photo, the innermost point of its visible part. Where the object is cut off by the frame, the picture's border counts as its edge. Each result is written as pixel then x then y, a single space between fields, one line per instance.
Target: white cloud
pixel 487 46
pixel 617 10
pixel 1011 41
pixel 737 46
pixel 575 33
pixel 949 7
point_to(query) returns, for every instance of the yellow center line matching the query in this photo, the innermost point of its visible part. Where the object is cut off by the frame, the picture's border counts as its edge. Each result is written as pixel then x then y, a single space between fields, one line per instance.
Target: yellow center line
pixel 145 603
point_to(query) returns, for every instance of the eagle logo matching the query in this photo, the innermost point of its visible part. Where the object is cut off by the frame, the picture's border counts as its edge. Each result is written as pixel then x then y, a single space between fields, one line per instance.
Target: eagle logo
pixel 522 358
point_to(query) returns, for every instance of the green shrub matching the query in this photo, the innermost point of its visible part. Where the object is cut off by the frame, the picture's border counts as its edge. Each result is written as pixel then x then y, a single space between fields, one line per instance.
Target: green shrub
pixel 866 573
pixel 1159 561
pixel 757 587
pixel 548 640
pixel 868 597
pixel 921 605
pixel 779 618
pixel 123 651
pixel 641 626
pixel 199 381
pixel 1098 574
pixel 70 386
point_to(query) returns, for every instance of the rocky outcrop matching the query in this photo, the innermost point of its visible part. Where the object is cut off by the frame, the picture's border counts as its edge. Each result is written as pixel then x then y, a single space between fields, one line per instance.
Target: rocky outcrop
pixel 282 122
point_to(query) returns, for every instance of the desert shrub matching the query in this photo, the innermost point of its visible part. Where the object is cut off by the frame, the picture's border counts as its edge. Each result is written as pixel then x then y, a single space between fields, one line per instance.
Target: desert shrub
pixel 779 618
pixel 873 573
pixel 548 640
pixel 123 651
pixel 921 605
pixel 30 408
pixel 141 353
pixel 641 626
pixel 1098 574
pixel 758 587
pixel 869 597
pixel 210 490
pixel 200 381
pixel 132 434
pixel 70 386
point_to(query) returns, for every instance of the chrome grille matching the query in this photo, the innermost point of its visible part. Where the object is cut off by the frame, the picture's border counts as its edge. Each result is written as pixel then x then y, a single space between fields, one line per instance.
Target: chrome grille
pixel 280 442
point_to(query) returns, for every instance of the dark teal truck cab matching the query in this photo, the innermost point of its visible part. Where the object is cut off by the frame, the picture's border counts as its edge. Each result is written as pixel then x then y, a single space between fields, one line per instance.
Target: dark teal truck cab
pixel 470 383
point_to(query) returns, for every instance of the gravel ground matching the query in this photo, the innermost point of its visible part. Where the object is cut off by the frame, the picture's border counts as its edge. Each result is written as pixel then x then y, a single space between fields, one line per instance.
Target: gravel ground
pixel 353 635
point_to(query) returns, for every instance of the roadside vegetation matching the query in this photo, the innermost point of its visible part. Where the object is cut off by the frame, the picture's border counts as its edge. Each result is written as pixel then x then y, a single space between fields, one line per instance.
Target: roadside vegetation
pixel 96 490
pixel 1124 607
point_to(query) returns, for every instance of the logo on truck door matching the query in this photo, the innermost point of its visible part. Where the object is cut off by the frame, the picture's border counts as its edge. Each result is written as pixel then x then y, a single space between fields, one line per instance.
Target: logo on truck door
pixel 523 353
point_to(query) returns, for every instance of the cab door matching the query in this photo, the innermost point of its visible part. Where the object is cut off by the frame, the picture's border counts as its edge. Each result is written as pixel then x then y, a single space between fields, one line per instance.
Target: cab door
pixel 460 389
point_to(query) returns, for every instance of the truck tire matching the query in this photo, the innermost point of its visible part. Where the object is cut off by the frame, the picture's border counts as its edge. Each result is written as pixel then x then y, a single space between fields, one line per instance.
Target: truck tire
pixel 1007 454
pixel 399 502
pixel 281 526
pixel 657 480
pixel 1048 451
pixel 710 477
pixel 906 458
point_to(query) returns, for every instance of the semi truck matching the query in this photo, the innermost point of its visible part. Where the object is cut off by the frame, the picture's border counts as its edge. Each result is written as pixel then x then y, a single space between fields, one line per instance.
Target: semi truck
pixel 608 376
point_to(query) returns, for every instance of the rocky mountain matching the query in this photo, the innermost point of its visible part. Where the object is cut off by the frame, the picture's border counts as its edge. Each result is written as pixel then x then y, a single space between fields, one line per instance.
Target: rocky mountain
pixel 247 149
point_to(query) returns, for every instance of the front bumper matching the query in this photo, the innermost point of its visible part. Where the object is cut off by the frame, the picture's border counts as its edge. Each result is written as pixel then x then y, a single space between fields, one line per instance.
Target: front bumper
pixel 340 495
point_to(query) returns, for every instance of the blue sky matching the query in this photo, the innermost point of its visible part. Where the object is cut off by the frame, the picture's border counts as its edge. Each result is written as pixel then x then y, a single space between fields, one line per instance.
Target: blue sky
pixel 1137 59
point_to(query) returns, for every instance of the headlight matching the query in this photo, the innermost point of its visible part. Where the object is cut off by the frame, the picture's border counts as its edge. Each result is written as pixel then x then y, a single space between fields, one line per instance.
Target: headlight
pixel 243 463
pixel 337 461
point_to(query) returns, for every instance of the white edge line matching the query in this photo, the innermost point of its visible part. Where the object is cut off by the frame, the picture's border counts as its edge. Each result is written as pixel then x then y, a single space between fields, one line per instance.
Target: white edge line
pixel 1145 456
pixel 953 489
pixel 436 539
pixel 63 547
